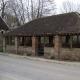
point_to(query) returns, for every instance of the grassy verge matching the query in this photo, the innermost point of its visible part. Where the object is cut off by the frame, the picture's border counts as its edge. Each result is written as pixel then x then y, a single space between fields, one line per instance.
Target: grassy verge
pixel 1 48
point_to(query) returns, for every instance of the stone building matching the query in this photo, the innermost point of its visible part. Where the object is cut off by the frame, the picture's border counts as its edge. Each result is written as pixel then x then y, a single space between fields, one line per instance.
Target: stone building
pixel 55 37
pixel 3 29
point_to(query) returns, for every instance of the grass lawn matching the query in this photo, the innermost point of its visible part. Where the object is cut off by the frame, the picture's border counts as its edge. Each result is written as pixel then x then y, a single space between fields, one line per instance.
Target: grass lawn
pixel 1 48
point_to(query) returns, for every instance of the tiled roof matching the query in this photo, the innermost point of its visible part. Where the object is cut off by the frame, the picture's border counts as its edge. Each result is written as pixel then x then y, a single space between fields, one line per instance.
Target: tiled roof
pixel 57 24
pixel 3 25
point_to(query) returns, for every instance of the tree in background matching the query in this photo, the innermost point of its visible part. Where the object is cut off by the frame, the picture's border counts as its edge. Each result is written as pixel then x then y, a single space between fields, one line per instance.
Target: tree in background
pixel 11 21
pixel 8 18
pixel 68 6
pixel 21 11
pixel 39 8
pixel 15 9
pixel 3 4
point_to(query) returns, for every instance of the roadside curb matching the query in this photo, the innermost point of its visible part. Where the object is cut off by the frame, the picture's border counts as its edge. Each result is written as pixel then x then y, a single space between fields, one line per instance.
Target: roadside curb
pixel 41 59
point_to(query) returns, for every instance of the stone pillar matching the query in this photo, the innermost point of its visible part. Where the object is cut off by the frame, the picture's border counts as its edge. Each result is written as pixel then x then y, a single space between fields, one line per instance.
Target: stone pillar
pixel 34 46
pixel 57 45
pixel 4 44
pixel 71 41
pixel 16 44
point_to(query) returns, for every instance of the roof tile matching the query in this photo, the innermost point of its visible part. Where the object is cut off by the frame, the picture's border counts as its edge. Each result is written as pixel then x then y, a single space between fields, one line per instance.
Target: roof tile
pixel 56 24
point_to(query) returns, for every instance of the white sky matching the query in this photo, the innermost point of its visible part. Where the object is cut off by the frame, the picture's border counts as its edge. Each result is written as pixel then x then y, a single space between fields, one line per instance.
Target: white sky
pixel 59 2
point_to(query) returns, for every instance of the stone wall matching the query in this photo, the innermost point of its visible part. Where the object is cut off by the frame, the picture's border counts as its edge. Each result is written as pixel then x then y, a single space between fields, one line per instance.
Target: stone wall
pixel 21 49
pixel 65 53
pixel 24 50
pixel 70 54
pixel 49 52
pixel 10 48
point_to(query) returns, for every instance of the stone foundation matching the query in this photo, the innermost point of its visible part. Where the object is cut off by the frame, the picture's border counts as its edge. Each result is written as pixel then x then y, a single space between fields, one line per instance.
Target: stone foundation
pixel 23 50
pixel 48 52
pixel 65 53
pixel 70 54
pixel 10 48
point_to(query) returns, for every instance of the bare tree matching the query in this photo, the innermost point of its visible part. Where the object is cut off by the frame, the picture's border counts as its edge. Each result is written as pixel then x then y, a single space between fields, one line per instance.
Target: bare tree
pixel 3 4
pixel 11 21
pixel 68 6
pixel 16 8
pixel 21 11
pixel 39 8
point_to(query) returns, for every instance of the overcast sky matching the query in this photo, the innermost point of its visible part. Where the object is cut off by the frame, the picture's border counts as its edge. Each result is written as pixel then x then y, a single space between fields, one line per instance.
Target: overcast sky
pixel 59 2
